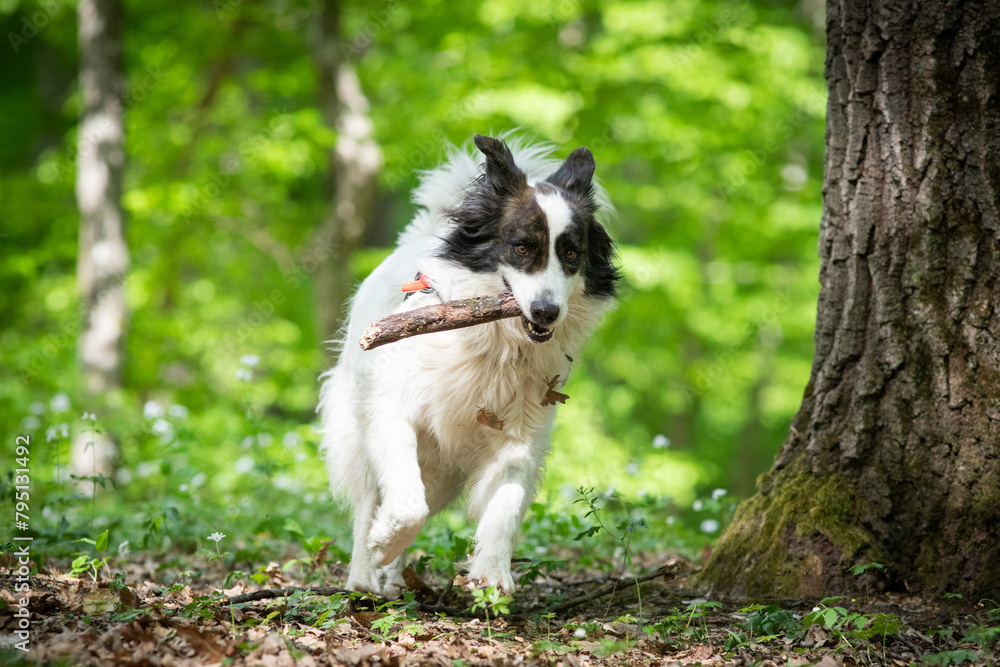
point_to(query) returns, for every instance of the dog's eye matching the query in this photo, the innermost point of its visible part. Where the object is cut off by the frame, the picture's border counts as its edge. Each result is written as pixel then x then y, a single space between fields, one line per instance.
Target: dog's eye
pixel 521 249
pixel 570 255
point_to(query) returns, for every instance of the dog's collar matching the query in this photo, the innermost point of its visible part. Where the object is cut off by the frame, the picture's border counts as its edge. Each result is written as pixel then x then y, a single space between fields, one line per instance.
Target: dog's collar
pixel 420 283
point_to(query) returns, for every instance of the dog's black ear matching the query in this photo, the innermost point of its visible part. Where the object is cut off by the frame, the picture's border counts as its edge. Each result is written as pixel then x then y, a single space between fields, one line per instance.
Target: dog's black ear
pixel 576 174
pixel 501 172
pixel 603 269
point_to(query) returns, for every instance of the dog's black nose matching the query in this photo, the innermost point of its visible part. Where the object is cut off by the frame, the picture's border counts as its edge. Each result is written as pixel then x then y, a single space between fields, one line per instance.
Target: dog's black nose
pixel 543 312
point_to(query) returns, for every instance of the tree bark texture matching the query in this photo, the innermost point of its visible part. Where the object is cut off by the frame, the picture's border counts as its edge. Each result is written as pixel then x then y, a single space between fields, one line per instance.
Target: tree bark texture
pixel 894 455
pixel 102 259
pixel 354 164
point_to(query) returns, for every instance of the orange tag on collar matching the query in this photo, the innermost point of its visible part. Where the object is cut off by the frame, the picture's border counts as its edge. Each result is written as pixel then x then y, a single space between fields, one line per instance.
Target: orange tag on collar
pixel 413 286
pixel 421 283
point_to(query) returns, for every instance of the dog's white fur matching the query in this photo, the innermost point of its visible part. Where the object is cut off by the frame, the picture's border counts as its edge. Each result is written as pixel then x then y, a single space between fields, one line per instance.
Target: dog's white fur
pixel 400 429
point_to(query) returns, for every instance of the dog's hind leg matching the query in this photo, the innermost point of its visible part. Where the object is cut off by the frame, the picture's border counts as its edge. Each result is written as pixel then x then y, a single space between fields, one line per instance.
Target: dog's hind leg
pixel 363 575
pixel 391 583
pixel 392 447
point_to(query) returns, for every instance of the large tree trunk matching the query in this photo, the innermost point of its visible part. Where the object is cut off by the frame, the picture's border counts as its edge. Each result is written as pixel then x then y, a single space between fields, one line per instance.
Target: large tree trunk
pixel 102 259
pixel 354 163
pixel 894 456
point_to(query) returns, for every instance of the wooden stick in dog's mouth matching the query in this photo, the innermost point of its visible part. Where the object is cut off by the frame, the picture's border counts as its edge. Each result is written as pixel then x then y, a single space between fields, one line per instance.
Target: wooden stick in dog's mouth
pixel 445 316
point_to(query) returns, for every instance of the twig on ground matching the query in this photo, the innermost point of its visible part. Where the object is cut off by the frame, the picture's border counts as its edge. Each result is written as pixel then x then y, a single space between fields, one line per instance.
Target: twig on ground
pixel 269 593
pixel 439 317
pixel 667 571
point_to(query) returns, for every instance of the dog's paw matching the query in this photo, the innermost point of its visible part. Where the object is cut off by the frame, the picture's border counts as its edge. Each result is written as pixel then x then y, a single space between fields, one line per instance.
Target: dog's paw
pixel 392 591
pixel 502 580
pixel 389 585
pixel 394 530
pixel 361 584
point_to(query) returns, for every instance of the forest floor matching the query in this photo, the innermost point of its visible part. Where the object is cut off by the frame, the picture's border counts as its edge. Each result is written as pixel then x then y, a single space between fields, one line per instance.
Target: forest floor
pixel 161 616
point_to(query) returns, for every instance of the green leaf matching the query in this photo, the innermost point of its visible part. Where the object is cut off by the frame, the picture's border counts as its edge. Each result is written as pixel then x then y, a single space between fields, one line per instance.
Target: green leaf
pixel 102 541
pixel 292 526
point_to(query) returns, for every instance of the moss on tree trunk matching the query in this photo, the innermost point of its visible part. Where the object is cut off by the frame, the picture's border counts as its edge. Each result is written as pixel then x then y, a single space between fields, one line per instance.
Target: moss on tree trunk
pixel 894 456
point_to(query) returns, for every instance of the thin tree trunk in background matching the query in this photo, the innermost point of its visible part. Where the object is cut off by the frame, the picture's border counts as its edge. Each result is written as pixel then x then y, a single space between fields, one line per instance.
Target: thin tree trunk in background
pixel 354 163
pixel 894 456
pixel 102 259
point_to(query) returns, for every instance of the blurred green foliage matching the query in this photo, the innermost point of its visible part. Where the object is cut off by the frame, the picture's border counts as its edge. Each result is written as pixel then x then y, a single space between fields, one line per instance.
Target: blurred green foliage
pixel 705 119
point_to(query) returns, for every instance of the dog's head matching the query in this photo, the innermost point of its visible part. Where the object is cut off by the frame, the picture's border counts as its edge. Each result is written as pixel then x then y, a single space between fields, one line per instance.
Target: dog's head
pixel 541 238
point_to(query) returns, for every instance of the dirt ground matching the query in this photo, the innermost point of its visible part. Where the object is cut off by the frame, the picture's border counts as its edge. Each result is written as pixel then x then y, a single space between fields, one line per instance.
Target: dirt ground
pixel 78 622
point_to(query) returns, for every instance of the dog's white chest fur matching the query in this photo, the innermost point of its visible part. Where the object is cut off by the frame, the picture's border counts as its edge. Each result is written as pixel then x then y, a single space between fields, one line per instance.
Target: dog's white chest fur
pixel 410 425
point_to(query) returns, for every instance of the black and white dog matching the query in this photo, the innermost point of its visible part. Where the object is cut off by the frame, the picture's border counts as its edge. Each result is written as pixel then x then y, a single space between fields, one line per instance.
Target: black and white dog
pixel 403 431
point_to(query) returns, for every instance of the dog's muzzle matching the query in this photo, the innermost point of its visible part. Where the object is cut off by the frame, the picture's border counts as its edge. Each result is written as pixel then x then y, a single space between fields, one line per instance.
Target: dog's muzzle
pixel 535 333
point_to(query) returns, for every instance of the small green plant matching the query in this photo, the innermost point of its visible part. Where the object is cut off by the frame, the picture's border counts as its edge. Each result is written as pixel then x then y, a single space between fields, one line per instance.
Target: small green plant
pixel 487 599
pixel 612 646
pixel 627 528
pixel 861 568
pixel 382 626
pixel 221 557
pixel 668 627
pixel 767 622
pixel 945 658
pixel 852 627
pixel 92 566
pixel 697 611
pixel 627 620
pixel 985 633
pixel 548 625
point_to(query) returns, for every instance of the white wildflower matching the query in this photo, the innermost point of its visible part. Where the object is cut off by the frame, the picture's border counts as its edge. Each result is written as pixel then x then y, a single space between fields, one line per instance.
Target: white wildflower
pixel 123 549
pixel 243 465
pixel 291 439
pixel 37 408
pixel 661 441
pixel 580 633
pixel 632 468
pixel 697 505
pixel 146 468
pixel 718 493
pixel 59 403
pixel 152 410
pixel 709 526
pixel 162 427
pixel 250 360
pixel 244 374
pixel 216 537
pixel 178 412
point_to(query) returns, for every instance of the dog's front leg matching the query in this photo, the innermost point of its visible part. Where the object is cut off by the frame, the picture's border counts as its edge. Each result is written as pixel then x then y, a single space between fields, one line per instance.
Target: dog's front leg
pixel 403 511
pixel 500 498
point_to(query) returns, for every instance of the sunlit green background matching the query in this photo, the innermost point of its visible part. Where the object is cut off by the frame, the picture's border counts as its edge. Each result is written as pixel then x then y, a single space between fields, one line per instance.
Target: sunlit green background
pixel 706 121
